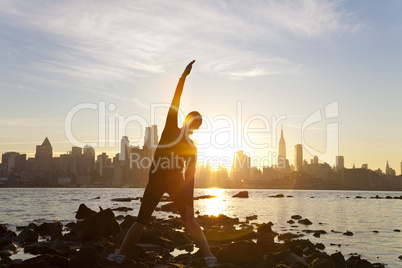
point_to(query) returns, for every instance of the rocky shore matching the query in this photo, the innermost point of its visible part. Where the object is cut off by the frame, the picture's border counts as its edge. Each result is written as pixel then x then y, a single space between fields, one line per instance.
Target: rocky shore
pixel 165 243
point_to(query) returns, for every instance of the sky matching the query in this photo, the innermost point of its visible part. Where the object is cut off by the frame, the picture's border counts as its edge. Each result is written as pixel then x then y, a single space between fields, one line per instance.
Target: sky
pixel 89 72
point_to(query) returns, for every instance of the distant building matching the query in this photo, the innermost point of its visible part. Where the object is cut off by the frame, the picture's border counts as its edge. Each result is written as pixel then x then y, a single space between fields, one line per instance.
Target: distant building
pixel 315 160
pixel 340 164
pixel 240 168
pixel 43 159
pixel 88 160
pixel 151 137
pixel 12 163
pixel 150 141
pixel 298 157
pixel 282 163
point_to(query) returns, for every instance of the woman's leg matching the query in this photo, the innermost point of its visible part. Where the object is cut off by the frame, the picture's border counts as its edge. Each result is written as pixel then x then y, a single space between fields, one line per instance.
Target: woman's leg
pixel 196 232
pixel 132 236
pixel 182 194
pixel 152 195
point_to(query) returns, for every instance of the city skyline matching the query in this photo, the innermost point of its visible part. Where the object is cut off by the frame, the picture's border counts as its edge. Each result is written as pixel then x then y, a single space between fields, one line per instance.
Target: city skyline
pixel 150 139
pixel 277 58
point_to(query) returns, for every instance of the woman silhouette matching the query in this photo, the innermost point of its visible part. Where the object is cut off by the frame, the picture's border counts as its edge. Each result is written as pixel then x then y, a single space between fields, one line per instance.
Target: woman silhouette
pixel 172 172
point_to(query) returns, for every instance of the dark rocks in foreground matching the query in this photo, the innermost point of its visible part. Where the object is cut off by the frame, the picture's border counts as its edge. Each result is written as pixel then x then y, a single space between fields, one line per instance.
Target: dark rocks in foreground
pixel 83 212
pixel 235 243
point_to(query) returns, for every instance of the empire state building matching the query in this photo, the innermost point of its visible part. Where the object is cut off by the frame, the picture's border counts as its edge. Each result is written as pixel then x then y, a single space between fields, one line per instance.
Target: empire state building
pixel 282 151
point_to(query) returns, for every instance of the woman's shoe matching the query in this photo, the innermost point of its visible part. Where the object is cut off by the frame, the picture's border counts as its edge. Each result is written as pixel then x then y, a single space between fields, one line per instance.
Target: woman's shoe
pixel 212 261
pixel 116 257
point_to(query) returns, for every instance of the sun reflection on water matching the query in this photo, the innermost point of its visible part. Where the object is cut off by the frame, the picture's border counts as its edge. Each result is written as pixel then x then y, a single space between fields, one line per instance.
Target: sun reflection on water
pixel 214 206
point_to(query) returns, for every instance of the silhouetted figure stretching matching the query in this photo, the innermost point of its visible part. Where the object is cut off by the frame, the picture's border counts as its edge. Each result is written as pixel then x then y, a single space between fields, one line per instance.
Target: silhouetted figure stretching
pixel 174 154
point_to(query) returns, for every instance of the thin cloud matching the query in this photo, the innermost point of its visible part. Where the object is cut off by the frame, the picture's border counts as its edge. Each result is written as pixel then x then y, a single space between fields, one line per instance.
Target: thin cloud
pixel 121 40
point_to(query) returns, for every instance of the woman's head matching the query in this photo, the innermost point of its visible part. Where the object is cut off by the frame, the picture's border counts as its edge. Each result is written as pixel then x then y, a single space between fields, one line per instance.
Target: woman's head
pixel 193 121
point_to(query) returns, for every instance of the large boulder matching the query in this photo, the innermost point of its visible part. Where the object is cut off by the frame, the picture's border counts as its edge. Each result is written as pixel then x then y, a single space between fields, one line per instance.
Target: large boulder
pixel 87 257
pixel 242 194
pixel 49 247
pixel 83 212
pixel 240 252
pixel 291 259
pixel 27 236
pixel 128 221
pixel 100 224
pixel 3 229
pixel 45 260
pixel 47 228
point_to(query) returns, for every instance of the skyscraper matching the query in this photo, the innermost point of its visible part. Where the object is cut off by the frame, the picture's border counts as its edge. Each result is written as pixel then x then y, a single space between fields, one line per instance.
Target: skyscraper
pixel 340 164
pixel 298 157
pixel 88 159
pixel 282 151
pixel 151 137
pixel 124 145
pixel 43 157
pixel 150 141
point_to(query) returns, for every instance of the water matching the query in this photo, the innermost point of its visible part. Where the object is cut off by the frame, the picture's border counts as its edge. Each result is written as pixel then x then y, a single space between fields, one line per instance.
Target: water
pixel 335 210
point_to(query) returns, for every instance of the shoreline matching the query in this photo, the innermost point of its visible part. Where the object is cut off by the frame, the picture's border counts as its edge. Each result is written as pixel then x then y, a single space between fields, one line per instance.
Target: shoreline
pixel 201 188
pixel 236 243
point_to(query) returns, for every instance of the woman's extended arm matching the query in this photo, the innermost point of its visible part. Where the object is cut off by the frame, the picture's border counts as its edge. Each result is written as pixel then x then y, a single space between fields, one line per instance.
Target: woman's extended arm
pixel 171 120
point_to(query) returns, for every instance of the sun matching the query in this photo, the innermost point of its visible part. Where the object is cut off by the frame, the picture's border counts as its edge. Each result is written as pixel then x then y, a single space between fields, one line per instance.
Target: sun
pixel 215 150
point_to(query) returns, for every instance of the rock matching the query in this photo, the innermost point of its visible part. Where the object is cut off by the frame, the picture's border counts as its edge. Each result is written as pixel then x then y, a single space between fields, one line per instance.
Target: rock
pixel 125 209
pixel 317 234
pixel 242 194
pixel 205 220
pixel 27 236
pixel 314 231
pixel 338 260
pixel 320 246
pixel 277 196
pixel 251 218
pixel 86 258
pixel 357 262
pixel 240 252
pixel 289 196
pixel 265 228
pixel 45 260
pixel 83 212
pixel 102 223
pixel 49 228
pixel 3 229
pixel 296 217
pixel 49 247
pixel 358 197
pixel 11 247
pixel 124 199
pixel 290 259
pixel 266 243
pixel 288 236
pixel 128 221
pixel 205 197
pixel 169 207
pixel 120 217
pixel 400 257
pixel 397 230
pixel 375 232
pixel 290 221
pixel 348 233
pixel 305 222
pixel 321 263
